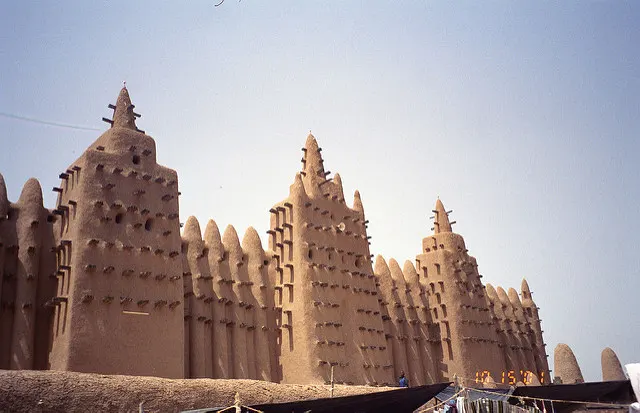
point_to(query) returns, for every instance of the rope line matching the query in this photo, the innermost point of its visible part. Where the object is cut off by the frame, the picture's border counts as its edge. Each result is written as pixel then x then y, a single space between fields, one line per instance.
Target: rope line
pixel 553 400
pixel 442 403
pixel 45 122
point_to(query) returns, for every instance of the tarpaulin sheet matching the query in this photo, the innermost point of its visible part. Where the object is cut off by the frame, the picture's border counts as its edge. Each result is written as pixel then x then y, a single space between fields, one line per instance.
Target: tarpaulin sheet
pixel 615 392
pixel 401 400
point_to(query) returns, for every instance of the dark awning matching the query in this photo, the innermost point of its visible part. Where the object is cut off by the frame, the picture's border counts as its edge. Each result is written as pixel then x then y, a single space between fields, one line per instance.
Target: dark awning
pixel 615 392
pixel 401 400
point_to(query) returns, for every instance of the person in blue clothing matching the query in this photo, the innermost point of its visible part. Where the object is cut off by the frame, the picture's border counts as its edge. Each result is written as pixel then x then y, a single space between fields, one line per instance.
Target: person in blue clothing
pixel 403 380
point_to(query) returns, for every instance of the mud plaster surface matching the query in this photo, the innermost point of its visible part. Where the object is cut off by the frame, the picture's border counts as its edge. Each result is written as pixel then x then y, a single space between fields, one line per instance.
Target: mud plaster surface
pixel 56 391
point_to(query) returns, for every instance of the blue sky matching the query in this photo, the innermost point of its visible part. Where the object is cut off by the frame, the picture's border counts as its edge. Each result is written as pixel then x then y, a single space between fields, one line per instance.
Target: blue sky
pixel 521 116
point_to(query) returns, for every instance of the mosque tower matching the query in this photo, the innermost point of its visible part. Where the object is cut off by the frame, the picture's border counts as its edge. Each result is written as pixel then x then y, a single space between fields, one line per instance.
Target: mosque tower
pixel 458 304
pixel 326 293
pixel 118 307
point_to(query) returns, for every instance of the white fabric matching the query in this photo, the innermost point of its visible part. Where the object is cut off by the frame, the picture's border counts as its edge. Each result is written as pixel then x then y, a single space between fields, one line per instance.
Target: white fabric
pixel 460 404
pixel 633 370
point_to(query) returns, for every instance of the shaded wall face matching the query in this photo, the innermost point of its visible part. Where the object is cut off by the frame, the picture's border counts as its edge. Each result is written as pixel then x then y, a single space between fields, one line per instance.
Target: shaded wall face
pixel 326 289
pixel 26 282
pixel 121 293
pixel 458 305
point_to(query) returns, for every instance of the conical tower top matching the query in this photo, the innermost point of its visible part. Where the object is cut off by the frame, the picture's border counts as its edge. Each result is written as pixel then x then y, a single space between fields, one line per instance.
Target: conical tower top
pixel 4 200
pixel 312 160
pixel 566 366
pixel 611 367
pixel 357 202
pixel 526 291
pixel 123 115
pixel 441 219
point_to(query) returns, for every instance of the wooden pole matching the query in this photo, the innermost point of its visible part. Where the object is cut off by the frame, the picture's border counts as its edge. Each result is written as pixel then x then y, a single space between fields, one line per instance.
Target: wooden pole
pixel 332 381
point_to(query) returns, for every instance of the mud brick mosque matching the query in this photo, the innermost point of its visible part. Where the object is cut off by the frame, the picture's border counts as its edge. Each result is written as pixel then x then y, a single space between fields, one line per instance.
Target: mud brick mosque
pixel 105 283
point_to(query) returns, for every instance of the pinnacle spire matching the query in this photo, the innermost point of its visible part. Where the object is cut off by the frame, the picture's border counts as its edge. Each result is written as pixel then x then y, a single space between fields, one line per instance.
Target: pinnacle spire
pixel 297 188
pixel 526 291
pixel 4 200
pixel 357 202
pixel 312 160
pixel 123 115
pixel 566 366
pixel 441 219
pixel 611 367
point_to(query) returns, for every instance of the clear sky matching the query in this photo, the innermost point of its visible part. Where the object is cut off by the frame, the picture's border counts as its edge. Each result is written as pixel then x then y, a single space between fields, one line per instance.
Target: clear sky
pixel 523 117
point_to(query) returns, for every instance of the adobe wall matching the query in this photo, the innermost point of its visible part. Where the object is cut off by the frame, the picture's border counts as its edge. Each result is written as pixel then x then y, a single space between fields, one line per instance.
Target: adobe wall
pixel 229 330
pixel 119 304
pixel 26 284
pixel 106 283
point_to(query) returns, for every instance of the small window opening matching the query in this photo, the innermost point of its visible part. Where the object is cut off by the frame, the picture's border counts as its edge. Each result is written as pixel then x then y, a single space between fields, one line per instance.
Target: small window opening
pixel 265 262
pixel 310 254
pixel 148 225
pixel 118 218
pixel 136 159
pixel 438 269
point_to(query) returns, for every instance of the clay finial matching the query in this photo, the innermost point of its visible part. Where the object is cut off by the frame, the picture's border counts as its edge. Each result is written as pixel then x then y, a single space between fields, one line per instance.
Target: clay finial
pixel 297 188
pixel 357 202
pixel 514 298
pixel 31 193
pixel 441 221
pixel 566 366
pixel 526 291
pixel 251 241
pixel 491 292
pixel 381 268
pixel 231 243
pixel 192 230
pixel 123 116
pixel 410 273
pixel 396 272
pixel 213 241
pixel 337 182
pixel 312 157
pixel 611 367
pixel 4 201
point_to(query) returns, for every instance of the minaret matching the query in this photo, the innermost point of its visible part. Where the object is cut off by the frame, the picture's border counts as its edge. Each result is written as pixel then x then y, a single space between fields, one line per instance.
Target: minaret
pixel 458 304
pixel 119 258
pixel 566 366
pixel 611 367
pixel 326 296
